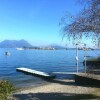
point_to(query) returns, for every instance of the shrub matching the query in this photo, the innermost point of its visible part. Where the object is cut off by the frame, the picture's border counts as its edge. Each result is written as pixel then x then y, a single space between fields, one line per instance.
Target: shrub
pixel 6 89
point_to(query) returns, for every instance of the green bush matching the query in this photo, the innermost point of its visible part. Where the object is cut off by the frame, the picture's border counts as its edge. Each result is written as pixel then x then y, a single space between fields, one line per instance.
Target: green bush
pixel 6 89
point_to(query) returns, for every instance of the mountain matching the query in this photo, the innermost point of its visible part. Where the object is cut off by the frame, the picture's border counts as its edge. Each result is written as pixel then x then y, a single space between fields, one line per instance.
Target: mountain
pixel 14 44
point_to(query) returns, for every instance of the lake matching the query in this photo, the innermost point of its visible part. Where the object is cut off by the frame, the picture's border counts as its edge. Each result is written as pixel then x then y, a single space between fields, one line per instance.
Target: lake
pixel 43 60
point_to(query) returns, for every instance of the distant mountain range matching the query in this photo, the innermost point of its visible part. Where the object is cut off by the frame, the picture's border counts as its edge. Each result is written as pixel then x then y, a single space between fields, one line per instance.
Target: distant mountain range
pixel 14 44
pixel 24 44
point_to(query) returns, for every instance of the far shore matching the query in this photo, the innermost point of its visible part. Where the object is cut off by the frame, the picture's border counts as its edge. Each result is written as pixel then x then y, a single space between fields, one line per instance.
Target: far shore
pixel 58 90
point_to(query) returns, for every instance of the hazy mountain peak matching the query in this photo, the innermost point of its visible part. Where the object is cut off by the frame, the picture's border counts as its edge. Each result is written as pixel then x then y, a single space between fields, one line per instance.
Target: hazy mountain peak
pixel 14 43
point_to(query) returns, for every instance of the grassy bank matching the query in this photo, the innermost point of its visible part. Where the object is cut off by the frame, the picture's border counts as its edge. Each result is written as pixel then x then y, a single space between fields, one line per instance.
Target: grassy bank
pixel 6 89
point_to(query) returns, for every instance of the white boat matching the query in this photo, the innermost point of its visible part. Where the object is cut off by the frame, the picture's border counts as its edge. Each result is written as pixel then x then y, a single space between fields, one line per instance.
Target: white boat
pixel 19 49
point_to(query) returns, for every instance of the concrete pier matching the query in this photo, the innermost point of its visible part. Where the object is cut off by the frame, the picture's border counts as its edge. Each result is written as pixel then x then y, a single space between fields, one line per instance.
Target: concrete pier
pixel 87 79
pixel 35 73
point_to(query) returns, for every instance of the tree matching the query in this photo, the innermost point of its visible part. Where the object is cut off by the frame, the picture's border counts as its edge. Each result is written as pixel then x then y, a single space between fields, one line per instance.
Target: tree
pixel 87 23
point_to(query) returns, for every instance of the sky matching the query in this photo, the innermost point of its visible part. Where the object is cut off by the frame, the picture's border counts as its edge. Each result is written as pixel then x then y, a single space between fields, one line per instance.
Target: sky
pixel 36 21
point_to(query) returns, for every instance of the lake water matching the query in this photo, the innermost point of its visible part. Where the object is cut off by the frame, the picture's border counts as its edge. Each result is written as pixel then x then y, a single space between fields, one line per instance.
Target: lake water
pixel 42 60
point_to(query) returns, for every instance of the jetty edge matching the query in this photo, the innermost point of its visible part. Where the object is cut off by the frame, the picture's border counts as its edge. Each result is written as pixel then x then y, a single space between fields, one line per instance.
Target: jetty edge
pixel 36 73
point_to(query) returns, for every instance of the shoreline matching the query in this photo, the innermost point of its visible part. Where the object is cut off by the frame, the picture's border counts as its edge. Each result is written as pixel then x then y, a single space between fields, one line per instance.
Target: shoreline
pixel 45 83
pixel 19 89
pixel 58 90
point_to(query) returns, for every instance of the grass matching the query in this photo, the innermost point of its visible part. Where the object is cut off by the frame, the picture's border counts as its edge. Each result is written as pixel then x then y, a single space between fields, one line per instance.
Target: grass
pixel 97 92
pixel 6 89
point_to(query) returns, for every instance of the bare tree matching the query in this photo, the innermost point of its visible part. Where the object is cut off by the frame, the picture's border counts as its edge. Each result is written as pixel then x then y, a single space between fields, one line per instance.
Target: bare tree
pixel 87 23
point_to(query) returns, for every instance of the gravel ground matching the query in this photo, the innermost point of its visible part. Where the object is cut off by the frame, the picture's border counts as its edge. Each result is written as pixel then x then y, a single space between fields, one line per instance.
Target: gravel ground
pixel 59 90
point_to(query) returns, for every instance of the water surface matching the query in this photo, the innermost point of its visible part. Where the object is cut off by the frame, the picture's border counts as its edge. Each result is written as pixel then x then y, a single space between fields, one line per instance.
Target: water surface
pixel 43 60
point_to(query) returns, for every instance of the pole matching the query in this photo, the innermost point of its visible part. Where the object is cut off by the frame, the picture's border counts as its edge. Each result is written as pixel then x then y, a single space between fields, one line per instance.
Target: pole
pixel 77 57
pixel 85 56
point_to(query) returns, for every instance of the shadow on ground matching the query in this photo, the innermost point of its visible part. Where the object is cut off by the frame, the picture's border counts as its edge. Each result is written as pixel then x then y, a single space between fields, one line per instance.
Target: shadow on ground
pixel 73 83
pixel 63 82
pixel 55 96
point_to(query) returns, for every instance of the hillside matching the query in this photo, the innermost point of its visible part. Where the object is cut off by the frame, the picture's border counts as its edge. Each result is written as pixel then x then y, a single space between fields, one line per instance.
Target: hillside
pixel 14 44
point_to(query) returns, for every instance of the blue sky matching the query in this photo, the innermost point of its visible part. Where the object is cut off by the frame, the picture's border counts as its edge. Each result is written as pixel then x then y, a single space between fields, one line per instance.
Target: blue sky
pixel 36 21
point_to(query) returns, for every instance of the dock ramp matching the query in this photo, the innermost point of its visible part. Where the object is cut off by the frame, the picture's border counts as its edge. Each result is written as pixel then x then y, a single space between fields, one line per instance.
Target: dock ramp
pixel 36 73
